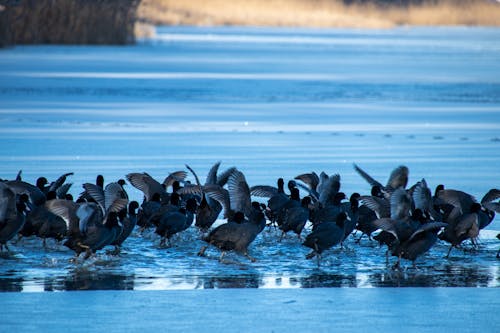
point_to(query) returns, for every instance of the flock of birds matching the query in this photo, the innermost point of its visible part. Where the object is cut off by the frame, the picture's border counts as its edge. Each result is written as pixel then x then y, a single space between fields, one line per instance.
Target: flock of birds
pixel 410 220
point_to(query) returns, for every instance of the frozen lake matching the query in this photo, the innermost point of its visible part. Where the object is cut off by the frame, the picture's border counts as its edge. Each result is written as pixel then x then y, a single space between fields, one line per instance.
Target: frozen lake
pixel 274 103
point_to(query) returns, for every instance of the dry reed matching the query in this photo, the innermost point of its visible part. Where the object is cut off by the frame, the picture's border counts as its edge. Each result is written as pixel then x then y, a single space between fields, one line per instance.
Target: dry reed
pixel 320 13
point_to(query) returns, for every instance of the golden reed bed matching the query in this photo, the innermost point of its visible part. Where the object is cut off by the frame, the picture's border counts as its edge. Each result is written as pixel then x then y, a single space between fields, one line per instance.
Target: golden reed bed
pixel 319 13
pixel 120 21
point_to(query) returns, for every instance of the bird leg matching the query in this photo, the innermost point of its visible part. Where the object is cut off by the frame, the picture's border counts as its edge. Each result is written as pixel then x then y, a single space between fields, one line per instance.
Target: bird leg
pixel 252 259
pixel 397 265
pixel 162 242
pixel 116 251
pixel 448 255
pixel 281 237
pixel 74 259
pixel 201 253
pixel 88 253
pixel 222 255
pixel 359 239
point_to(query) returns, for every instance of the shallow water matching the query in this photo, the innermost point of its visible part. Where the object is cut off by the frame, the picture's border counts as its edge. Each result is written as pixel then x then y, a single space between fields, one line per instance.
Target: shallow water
pixel 274 103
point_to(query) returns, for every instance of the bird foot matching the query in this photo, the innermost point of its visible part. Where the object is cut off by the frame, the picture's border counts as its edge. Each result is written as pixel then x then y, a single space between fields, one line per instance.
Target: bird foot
pixel 311 255
pixel 252 259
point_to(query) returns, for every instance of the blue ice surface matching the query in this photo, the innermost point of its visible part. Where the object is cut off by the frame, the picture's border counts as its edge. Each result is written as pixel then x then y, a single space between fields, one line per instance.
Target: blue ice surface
pixel 246 310
pixel 274 103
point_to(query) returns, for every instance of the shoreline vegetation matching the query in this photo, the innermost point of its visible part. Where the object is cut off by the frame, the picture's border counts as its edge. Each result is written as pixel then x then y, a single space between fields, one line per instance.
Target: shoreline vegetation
pixel 122 21
pixel 321 13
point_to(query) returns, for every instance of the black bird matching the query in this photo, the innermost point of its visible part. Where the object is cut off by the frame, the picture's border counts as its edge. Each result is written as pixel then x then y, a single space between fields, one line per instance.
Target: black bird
pixel 245 219
pixel 236 199
pixel 90 227
pixel 85 196
pixel 351 209
pixel 128 219
pixel 398 178
pixel 461 226
pixel 498 253
pixel 366 216
pixel 324 236
pixel 36 197
pixel 57 186
pixel 277 197
pixel 12 210
pixel 209 209
pixel 150 186
pixel 296 217
pixel 148 210
pixel 173 222
pixel 43 223
pixel 411 237
pixel 236 236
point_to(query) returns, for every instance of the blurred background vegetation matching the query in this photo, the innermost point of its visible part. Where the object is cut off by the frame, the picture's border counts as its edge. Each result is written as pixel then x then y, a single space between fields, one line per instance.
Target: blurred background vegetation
pixel 121 21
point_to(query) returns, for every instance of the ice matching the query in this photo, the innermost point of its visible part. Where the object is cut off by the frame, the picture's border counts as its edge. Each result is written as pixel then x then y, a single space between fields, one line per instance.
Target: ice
pixel 248 310
pixel 274 103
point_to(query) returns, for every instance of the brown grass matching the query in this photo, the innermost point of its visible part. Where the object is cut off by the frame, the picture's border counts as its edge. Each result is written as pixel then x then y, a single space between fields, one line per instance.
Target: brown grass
pixel 318 13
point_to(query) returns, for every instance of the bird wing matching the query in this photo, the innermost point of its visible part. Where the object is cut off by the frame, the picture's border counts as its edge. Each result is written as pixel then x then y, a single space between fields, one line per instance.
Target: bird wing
pixel 456 198
pixel 194 174
pixel 146 184
pixel 212 174
pixel 310 179
pixel 421 195
pixel 329 189
pixel 174 176
pixel 219 194
pixel 66 209
pixel 265 191
pixel 7 202
pixel 19 187
pixel 398 177
pixel 115 198
pixel 223 177
pixel 367 177
pixel 97 194
pixel 492 195
pixel 400 204
pixel 428 227
pixel 380 206
pixel 63 190
pixel 59 182
pixel 468 224
pixel 191 189
pixel 312 193
pixel 388 225
pixel 85 213
pixel 239 193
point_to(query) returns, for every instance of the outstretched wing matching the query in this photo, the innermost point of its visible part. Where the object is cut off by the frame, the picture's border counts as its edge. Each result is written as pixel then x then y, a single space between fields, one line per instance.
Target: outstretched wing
pixel 174 176
pixel 239 193
pixel 146 184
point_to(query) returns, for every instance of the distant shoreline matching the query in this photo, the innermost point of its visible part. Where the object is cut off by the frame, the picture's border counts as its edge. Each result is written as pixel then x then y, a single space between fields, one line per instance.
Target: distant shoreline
pixel 320 13
pixel 120 22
